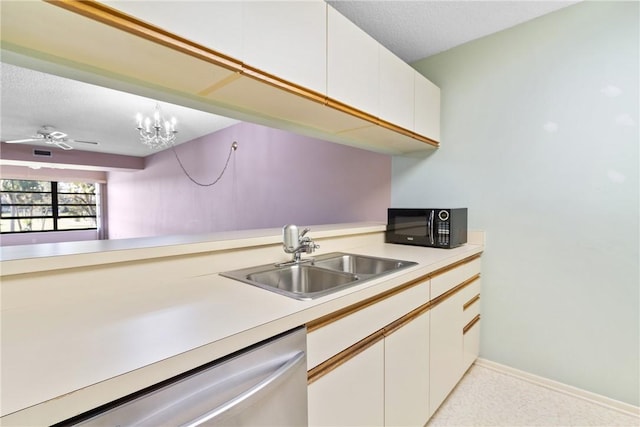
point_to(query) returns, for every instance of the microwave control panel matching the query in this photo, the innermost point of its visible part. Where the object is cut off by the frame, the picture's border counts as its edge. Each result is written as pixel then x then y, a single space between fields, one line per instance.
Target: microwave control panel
pixel 443 229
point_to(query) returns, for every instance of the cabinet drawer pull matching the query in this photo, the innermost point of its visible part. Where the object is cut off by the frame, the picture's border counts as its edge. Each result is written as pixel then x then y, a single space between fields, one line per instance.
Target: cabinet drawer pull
pixel 470 302
pixel 454 265
pixel 344 356
pixel 335 316
pixel 470 324
pixel 437 300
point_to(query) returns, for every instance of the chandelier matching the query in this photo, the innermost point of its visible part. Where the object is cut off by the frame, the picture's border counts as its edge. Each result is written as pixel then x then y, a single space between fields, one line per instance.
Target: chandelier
pixel 156 132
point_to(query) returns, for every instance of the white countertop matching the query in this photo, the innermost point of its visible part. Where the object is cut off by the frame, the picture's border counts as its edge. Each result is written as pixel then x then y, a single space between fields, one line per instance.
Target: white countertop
pixel 63 358
pixel 55 256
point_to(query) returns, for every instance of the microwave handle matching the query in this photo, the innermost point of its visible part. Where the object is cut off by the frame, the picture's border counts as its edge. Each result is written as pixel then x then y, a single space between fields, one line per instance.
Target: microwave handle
pixel 430 224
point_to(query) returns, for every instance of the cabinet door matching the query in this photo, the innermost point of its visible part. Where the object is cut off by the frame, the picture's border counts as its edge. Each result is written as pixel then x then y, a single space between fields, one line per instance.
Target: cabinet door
pixel 287 39
pixel 396 90
pixel 470 297
pixel 352 394
pixel 406 382
pixel 445 350
pixel 427 107
pixel 352 64
pixel 216 25
pixel 471 345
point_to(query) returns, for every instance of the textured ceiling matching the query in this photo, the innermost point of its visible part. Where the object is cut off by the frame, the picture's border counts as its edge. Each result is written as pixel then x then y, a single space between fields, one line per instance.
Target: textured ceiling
pixel 416 29
pixel 31 99
pixel 411 29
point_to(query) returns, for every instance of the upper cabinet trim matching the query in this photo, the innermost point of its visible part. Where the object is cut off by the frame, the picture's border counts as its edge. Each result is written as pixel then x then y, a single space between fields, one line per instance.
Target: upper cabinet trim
pixel 112 17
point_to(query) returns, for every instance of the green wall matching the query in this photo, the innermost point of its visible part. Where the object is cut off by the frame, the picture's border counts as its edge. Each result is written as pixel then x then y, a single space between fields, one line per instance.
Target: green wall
pixel 540 142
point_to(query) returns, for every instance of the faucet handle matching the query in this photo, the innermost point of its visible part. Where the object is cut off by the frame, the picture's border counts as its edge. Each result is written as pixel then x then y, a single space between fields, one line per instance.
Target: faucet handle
pixel 305 231
pixel 310 246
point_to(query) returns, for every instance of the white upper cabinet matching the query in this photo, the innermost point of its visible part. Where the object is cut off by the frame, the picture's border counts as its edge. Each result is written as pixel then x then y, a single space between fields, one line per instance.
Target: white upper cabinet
pixel 427 107
pixel 396 90
pixel 295 65
pixel 287 39
pixel 216 25
pixel 352 64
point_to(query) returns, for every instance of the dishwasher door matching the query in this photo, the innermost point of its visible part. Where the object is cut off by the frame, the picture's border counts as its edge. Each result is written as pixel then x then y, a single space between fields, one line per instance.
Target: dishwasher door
pixel 265 385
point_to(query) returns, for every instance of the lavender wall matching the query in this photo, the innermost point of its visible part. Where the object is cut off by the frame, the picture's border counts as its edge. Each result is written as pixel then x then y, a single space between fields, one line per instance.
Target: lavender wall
pixel 274 178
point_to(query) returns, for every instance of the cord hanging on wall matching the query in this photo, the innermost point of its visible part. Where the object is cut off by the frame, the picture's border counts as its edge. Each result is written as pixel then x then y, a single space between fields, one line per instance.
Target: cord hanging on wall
pixel 232 149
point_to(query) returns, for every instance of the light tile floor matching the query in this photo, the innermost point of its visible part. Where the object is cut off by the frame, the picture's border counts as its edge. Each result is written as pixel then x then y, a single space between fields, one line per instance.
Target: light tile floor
pixel 485 397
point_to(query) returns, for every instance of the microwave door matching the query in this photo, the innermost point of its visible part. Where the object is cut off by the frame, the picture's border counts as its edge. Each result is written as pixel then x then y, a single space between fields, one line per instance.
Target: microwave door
pixel 430 225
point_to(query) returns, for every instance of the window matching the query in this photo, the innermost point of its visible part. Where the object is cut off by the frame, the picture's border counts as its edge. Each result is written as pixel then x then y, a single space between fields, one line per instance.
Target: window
pixel 29 206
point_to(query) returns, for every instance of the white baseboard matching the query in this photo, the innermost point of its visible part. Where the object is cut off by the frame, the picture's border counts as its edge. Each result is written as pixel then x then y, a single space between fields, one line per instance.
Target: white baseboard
pixel 623 407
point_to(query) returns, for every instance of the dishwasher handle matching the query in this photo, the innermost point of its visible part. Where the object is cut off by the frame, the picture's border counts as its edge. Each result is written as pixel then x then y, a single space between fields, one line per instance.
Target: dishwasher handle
pixel 253 393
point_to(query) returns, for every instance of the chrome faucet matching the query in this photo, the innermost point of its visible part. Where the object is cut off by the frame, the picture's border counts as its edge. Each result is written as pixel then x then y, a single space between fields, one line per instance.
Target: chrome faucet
pixel 297 243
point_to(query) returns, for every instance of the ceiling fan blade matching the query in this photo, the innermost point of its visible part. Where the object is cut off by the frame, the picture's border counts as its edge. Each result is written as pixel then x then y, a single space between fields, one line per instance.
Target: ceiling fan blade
pixel 57 135
pixel 19 141
pixel 83 142
pixel 63 145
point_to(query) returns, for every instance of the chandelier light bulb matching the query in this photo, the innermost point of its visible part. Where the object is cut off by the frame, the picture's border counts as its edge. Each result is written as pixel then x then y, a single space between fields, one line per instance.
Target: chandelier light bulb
pixel 160 135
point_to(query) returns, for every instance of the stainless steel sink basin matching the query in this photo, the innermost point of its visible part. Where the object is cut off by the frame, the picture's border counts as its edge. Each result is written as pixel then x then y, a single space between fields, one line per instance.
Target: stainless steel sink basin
pixel 317 277
pixel 361 265
pixel 302 279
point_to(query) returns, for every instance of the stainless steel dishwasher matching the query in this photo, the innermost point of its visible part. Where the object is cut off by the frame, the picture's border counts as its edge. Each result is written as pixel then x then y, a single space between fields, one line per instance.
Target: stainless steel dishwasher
pixel 264 385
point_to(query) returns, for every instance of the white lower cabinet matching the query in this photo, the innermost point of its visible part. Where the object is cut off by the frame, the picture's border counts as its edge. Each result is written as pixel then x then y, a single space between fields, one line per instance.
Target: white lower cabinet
pixel 471 345
pixel 446 350
pixel 471 322
pixel 404 354
pixel 352 394
pixel 454 331
pixel 406 374
pixel 386 384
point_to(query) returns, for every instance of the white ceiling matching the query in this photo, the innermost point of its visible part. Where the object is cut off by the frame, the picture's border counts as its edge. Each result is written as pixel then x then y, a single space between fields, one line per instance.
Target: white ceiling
pixel 411 29
pixel 416 29
pixel 31 99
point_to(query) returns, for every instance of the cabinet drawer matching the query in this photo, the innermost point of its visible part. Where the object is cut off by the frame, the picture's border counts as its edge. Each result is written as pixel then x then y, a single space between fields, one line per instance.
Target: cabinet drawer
pixel 441 283
pixel 470 297
pixel 332 338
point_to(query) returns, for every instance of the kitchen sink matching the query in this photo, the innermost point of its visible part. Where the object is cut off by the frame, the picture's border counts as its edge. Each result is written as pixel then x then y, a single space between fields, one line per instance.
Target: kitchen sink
pixel 317 277
pixel 302 279
pixel 361 265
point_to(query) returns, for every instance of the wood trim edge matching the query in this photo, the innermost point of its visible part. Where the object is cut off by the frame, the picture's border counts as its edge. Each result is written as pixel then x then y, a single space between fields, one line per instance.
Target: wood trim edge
pixel 412 315
pixel 344 356
pixel 280 83
pixel 442 297
pixel 469 325
pixel 411 134
pixel 113 17
pixel 470 302
pixel 344 312
pixel 454 265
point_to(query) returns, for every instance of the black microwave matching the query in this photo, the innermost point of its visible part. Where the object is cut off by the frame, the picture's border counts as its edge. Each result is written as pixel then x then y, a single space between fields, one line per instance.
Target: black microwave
pixel 438 228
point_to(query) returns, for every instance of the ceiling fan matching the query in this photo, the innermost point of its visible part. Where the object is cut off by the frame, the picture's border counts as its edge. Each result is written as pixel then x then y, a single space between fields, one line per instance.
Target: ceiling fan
pixel 49 135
